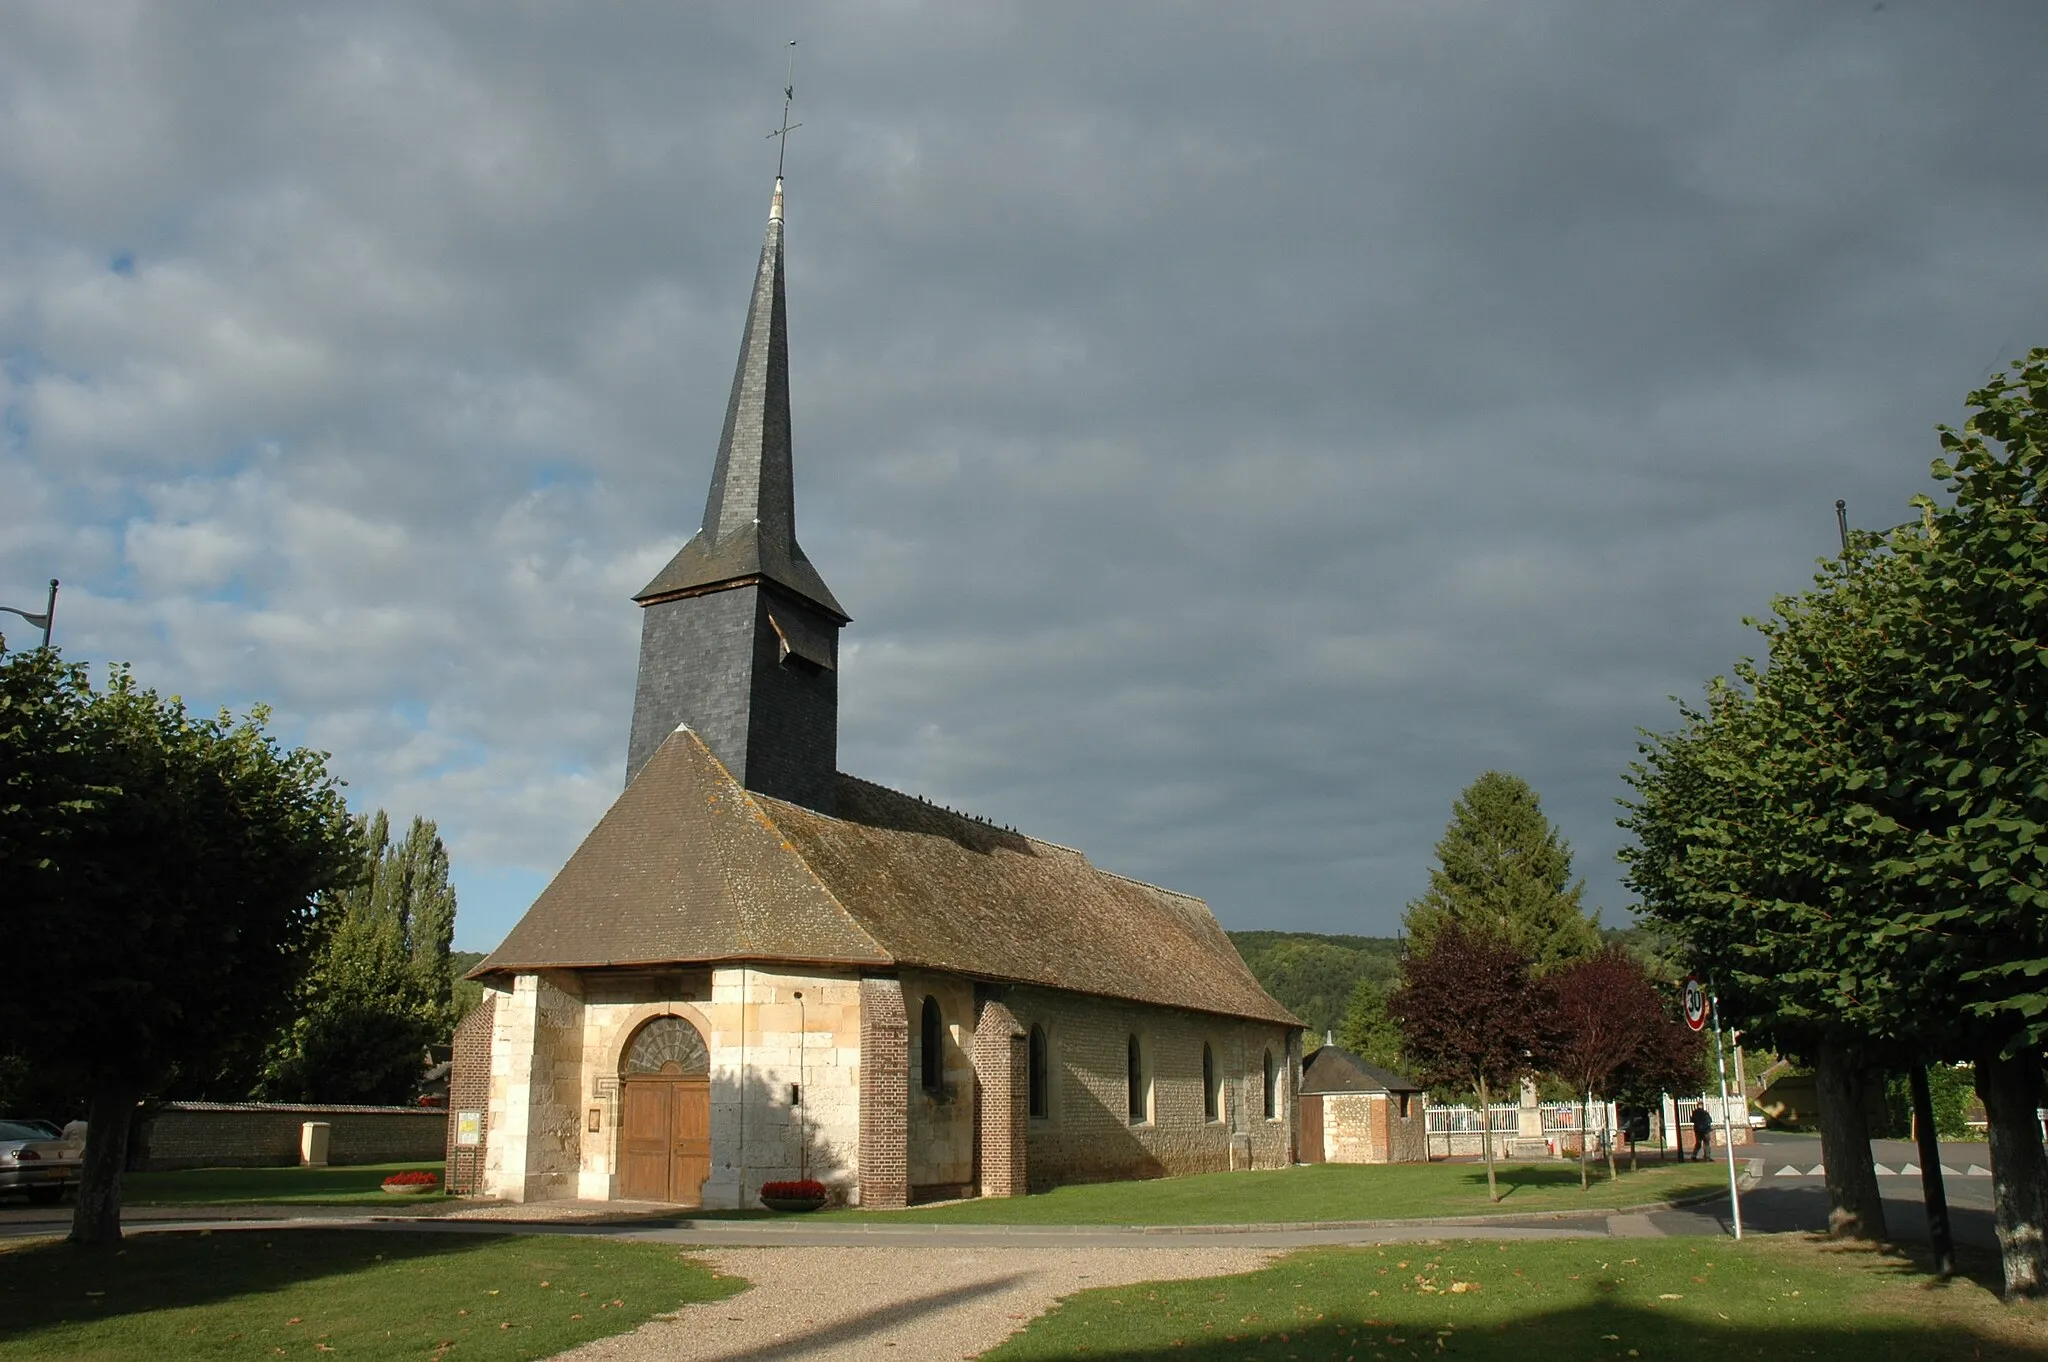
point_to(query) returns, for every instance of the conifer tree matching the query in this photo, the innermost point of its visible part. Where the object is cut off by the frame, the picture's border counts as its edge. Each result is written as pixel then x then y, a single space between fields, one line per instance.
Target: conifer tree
pixel 1503 871
pixel 380 991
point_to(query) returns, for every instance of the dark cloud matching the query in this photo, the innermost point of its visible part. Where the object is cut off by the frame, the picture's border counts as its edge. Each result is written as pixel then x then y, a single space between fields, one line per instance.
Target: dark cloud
pixel 1232 429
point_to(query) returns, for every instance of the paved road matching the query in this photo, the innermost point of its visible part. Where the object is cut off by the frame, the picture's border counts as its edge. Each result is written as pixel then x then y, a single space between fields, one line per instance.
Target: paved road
pixel 1783 1200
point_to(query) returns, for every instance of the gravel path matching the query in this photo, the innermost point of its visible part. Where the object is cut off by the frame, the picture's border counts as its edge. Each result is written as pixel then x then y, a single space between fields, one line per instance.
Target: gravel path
pixel 895 1303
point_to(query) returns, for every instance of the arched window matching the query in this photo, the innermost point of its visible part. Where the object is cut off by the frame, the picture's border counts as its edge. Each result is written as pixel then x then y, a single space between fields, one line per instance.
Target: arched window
pixel 1134 1082
pixel 932 1055
pixel 666 1045
pixel 1036 1075
pixel 1209 1103
pixel 1273 1087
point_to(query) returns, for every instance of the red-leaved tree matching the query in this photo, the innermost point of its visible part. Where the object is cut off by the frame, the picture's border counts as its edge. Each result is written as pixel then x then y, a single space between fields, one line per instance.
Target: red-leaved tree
pixel 1471 1018
pixel 1608 1016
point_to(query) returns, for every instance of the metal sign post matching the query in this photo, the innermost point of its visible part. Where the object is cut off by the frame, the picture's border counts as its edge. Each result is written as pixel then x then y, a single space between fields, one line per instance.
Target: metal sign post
pixel 1728 1121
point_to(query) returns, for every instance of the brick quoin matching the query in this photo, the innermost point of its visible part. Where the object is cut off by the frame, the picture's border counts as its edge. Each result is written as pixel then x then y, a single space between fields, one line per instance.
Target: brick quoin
pixel 884 1095
pixel 1002 1100
pixel 469 1089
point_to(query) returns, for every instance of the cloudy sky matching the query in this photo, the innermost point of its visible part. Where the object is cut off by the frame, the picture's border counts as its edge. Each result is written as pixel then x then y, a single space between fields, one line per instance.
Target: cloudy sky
pixel 1232 428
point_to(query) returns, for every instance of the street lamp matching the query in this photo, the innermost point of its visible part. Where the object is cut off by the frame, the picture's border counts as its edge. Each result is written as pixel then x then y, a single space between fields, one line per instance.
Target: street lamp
pixel 41 621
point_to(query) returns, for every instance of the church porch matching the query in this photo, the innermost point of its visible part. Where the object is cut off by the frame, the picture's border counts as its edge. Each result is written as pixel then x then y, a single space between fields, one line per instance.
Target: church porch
pixel 595 1081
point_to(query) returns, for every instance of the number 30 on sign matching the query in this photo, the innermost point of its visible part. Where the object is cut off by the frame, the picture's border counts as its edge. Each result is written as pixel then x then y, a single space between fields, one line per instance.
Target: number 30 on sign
pixel 1695 1004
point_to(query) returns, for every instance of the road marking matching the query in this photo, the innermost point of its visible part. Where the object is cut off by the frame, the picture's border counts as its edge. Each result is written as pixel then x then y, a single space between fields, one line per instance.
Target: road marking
pixel 1951 1172
pixel 1880 1170
pixel 1977 1170
pixel 1788 1171
pixel 1818 1170
pixel 1908 1168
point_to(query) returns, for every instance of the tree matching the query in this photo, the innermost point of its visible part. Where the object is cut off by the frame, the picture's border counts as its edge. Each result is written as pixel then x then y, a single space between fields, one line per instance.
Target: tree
pixel 1674 1059
pixel 380 990
pixel 1853 835
pixel 1737 827
pixel 1962 697
pixel 1368 1031
pixel 1471 1018
pixel 1608 1015
pixel 1503 869
pixel 159 875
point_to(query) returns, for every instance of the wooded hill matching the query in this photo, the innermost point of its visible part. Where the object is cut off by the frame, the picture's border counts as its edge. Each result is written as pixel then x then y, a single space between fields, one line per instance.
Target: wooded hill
pixel 1312 974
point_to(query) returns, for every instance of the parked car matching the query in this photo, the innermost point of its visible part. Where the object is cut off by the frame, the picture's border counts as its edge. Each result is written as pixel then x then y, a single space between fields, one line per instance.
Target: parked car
pixel 35 1159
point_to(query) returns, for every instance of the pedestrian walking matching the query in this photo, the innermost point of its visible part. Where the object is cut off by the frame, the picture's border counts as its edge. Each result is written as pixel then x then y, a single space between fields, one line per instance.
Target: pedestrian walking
pixel 1702 1130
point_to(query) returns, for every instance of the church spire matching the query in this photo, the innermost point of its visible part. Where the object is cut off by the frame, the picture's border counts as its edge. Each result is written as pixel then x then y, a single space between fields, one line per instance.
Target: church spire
pixel 739 635
pixel 749 525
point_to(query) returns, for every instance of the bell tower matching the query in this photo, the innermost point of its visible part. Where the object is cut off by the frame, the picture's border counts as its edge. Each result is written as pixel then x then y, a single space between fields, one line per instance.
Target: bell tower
pixel 739 635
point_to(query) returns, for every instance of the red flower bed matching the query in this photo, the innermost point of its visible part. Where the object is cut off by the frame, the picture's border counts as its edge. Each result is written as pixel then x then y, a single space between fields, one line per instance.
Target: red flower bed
pixel 806 1189
pixel 412 1177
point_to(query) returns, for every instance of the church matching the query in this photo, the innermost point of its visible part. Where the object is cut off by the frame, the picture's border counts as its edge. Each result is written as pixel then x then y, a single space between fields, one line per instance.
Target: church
pixel 757 968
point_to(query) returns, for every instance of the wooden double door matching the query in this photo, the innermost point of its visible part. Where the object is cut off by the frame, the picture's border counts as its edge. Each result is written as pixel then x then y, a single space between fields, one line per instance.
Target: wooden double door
pixel 665 1138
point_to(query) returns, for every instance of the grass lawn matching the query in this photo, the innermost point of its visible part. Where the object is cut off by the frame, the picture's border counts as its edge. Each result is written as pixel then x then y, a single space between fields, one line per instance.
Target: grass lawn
pixel 307 1293
pixel 1773 1297
pixel 1323 1191
pixel 267 1186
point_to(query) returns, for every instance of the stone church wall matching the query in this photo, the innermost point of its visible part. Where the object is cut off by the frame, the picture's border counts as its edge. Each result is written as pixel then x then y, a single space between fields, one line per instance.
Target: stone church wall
pixel 536 1084
pixel 1088 1136
pixel 942 1118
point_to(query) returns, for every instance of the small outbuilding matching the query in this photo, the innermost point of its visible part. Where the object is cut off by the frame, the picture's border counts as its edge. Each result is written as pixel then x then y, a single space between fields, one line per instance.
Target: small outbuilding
pixel 1353 1111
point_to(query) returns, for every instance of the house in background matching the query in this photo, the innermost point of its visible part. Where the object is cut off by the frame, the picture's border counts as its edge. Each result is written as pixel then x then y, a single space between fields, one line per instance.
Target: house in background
pixel 1356 1112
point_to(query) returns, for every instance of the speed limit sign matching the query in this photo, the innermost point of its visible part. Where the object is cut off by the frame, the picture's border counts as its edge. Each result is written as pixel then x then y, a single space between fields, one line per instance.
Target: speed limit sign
pixel 1695 1004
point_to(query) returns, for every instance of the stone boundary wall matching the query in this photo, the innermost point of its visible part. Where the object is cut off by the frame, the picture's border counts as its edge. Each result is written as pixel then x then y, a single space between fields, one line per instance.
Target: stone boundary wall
pixel 266 1135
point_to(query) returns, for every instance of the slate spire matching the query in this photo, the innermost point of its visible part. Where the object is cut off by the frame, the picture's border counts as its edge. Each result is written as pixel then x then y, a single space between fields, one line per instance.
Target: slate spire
pixel 739 635
pixel 749 525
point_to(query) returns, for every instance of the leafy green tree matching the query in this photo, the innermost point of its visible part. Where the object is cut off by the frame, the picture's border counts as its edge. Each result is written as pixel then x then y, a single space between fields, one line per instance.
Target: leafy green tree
pixel 1738 820
pixel 1368 1031
pixel 1502 869
pixel 1472 1019
pixel 1852 836
pixel 380 991
pixel 157 878
pixel 1949 1087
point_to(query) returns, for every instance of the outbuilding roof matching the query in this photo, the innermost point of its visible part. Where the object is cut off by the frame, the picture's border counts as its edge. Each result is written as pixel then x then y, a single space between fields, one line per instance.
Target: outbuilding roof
pixel 1329 1069
pixel 689 867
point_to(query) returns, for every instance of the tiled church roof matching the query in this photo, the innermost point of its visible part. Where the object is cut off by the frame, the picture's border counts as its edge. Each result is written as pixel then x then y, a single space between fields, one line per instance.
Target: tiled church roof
pixel 689 867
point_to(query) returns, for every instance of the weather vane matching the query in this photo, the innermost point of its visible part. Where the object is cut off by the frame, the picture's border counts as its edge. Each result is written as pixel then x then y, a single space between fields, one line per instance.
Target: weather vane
pixel 788 98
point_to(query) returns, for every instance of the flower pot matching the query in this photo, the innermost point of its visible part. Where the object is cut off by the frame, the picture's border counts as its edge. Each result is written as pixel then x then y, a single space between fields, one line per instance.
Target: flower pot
pixel 792 1203
pixel 411 1188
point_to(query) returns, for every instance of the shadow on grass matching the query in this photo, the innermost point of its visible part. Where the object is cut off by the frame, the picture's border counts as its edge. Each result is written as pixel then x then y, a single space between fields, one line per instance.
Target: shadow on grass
pixel 1513 1177
pixel 44 1283
pixel 256 1186
pixel 1587 1331
pixel 1803 1296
